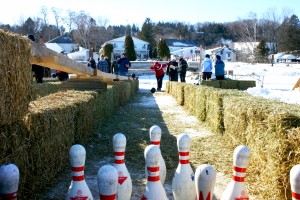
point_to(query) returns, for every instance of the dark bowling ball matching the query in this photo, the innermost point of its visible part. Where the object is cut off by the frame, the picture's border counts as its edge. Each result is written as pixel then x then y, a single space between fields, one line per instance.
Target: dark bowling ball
pixel 153 90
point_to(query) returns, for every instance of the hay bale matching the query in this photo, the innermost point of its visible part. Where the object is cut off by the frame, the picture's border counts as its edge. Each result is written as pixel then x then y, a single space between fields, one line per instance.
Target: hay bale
pixel 200 102
pixel 15 77
pixel 235 117
pixel 211 82
pixel 228 84
pixel 39 90
pixel 244 85
pixel 190 98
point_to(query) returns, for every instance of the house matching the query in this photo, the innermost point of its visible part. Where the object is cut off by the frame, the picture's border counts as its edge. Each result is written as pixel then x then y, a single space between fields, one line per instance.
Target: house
pixel 189 53
pixel 62 44
pixel 226 53
pixel 82 55
pixel 177 44
pixel 141 47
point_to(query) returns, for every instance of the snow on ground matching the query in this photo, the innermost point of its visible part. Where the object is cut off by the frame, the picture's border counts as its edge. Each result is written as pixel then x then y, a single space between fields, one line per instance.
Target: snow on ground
pixel 273 82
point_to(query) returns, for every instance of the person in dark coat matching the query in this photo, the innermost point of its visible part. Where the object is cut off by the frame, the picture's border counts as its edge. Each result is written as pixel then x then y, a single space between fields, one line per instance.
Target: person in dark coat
pixel 182 67
pixel 92 63
pixel 109 64
pixel 172 69
pixel 37 69
pixel 219 68
pixel 115 66
pixel 124 65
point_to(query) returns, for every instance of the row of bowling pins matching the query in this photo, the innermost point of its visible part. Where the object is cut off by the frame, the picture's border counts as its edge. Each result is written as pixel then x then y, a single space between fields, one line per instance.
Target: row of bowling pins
pixel 114 182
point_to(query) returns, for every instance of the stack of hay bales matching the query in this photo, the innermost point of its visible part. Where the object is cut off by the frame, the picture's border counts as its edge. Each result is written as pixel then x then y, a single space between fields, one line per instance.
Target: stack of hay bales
pixel 38 127
pixel 15 77
pixel 269 128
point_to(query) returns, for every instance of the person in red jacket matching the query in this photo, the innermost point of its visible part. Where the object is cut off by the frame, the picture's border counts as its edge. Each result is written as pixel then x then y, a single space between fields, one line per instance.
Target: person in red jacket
pixel 159 73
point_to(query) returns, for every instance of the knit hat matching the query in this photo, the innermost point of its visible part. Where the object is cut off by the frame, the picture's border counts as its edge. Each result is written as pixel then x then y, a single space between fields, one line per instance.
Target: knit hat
pixel 218 56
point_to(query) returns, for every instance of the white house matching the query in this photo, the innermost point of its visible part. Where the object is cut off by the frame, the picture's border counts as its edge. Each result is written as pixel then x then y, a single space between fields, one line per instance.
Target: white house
pixel 82 55
pixel 189 53
pixel 226 53
pixel 140 47
pixel 62 44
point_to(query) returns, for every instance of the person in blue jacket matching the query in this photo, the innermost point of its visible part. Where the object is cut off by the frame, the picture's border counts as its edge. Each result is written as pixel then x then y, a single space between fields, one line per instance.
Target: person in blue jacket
pixel 124 65
pixel 219 68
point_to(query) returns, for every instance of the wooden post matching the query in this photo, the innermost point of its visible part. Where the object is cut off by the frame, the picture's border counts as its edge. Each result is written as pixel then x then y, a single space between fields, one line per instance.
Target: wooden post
pixel 297 85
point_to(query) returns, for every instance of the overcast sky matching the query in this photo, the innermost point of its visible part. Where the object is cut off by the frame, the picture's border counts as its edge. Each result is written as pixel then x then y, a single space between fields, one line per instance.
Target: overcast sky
pixel 136 11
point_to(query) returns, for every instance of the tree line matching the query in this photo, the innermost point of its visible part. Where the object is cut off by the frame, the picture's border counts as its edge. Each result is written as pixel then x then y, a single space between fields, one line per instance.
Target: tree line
pixel 281 32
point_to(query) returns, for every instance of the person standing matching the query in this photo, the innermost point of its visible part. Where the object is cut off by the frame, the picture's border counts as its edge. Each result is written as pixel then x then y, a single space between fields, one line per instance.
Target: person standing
pixel 182 67
pixel 102 65
pixel 206 68
pixel 219 68
pixel 124 65
pixel 92 63
pixel 115 66
pixel 172 69
pixel 109 64
pixel 159 73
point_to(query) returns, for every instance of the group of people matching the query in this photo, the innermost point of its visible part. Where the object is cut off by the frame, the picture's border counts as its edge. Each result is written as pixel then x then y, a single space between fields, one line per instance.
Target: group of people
pixel 175 68
pixel 119 66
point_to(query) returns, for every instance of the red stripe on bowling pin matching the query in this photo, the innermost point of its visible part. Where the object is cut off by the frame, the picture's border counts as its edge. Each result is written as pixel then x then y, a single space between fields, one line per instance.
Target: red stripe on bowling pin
pixel 9 196
pixel 183 160
pixel 121 154
pixel 202 198
pixel 239 170
pixel 153 178
pixel 155 142
pixel 108 197
pixel 295 195
pixel 76 170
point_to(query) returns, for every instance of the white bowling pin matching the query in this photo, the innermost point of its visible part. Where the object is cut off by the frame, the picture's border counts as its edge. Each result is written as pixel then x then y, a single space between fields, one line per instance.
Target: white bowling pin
pixel 155 137
pixel 154 189
pixel 9 181
pixel 78 188
pixel 205 179
pixel 107 179
pixel 237 187
pixel 295 182
pixel 124 181
pixel 183 183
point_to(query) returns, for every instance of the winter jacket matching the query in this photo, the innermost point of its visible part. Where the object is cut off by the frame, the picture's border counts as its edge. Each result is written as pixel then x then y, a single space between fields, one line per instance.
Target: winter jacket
pixel 219 68
pixel 172 71
pixel 158 68
pixel 103 66
pixel 124 64
pixel 182 65
pixel 206 65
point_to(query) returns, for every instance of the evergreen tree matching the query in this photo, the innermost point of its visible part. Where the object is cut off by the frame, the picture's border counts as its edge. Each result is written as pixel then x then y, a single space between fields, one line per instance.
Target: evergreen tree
pixel 129 48
pixel 261 52
pixel 163 50
pixel 147 34
pixel 289 34
pixel 108 49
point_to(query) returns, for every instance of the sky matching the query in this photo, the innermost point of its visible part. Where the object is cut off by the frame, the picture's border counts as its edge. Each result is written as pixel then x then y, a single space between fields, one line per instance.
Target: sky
pixel 130 12
pixel 274 82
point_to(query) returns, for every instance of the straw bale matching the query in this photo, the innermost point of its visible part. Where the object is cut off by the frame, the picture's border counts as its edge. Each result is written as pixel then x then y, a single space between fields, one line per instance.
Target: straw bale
pixel 40 90
pixel 244 84
pixel 212 83
pixel 15 77
pixel 228 84
pixel 200 102
pixel 190 98
pixel 235 116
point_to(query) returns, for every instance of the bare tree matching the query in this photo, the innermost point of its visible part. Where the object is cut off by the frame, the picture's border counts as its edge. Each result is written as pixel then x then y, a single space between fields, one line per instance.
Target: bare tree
pixel 69 19
pixel 57 16
pixel 44 13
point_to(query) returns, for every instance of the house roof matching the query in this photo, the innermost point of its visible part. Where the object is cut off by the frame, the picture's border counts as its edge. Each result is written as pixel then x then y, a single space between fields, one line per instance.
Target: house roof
pixel 122 39
pixel 61 39
pixel 288 56
pixel 181 43
pixel 54 47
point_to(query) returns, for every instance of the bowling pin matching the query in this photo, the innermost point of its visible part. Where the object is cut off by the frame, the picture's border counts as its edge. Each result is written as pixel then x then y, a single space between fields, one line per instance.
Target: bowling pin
pixel 9 181
pixel 155 136
pixel 107 179
pixel 183 183
pixel 78 188
pixel 124 181
pixel 154 189
pixel 295 182
pixel 205 179
pixel 237 187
